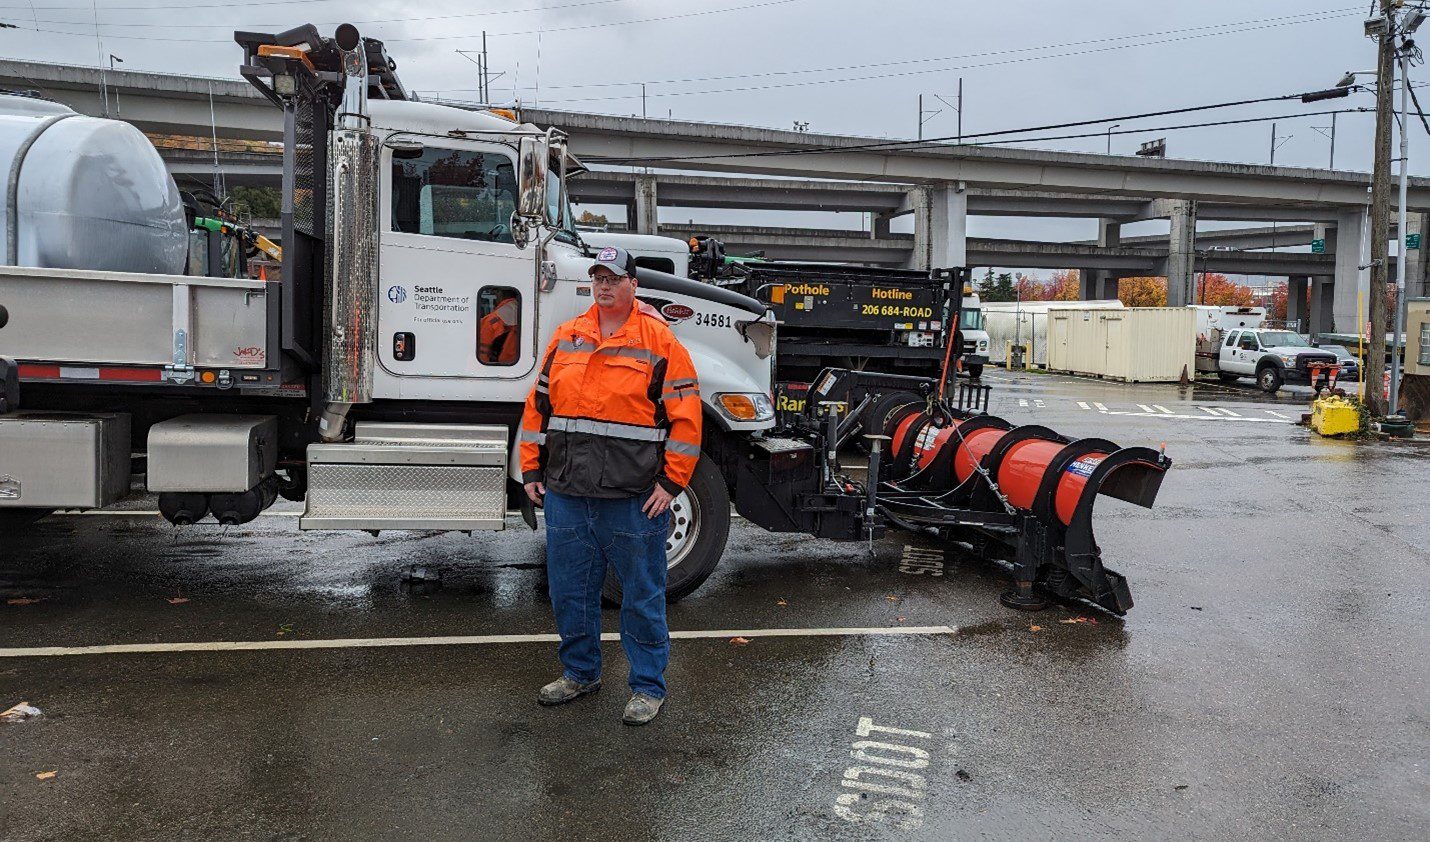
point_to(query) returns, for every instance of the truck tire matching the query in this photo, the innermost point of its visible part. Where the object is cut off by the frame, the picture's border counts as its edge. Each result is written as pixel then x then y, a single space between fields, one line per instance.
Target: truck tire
pixel 1227 377
pixel 1269 379
pixel 699 528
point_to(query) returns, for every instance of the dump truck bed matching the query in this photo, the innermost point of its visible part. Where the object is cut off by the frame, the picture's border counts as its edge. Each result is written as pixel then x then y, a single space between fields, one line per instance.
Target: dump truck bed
pixel 98 318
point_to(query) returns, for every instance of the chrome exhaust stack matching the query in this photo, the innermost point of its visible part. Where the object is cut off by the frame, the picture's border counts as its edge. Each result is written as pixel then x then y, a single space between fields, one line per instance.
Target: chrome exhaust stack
pixel 351 249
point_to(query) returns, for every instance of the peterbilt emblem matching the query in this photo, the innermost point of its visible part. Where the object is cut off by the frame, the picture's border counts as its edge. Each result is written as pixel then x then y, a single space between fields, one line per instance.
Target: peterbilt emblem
pixel 9 488
pixel 677 312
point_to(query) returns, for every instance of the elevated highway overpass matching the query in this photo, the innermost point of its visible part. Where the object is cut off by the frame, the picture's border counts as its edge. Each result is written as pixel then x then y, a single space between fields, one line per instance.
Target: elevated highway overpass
pixel 753 168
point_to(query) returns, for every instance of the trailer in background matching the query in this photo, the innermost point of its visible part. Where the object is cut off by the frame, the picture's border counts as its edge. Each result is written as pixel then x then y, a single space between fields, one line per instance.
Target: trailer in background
pixel 1138 344
pixel 1026 323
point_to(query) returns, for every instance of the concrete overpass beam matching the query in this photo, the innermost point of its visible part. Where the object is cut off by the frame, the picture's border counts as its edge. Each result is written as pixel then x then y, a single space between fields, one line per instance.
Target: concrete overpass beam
pixel 1297 304
pixel 1181 252
pixel 647 217
pixel 1351 282
pixel 879 230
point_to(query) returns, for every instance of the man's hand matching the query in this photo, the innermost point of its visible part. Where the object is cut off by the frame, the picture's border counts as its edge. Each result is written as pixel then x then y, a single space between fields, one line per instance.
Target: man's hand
pixel 659 501
pixel 535 490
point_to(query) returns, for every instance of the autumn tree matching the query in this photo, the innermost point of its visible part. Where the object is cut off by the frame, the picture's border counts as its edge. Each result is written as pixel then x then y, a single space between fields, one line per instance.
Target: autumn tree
pixel 1143 292
pixel 1217 290
pixel 588 218
pixel 1276 306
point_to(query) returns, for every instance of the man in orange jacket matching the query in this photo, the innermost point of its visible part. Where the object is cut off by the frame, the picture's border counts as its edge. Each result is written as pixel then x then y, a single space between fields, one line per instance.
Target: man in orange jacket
pixel 610 436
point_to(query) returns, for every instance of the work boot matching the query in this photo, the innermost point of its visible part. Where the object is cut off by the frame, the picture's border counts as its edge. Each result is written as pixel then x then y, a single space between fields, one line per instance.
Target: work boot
pixel 641 709
pixel 564 690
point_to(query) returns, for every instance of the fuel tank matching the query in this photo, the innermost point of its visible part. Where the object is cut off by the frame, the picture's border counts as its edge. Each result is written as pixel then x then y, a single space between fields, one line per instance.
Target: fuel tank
pixel 85 193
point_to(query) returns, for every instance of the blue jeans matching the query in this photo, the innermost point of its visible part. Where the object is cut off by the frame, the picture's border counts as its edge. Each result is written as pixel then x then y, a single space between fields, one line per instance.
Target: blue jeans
pixel 583 535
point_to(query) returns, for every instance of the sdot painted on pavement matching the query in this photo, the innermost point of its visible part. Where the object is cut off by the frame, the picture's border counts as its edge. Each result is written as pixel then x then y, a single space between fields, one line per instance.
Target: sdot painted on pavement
pixel 882 785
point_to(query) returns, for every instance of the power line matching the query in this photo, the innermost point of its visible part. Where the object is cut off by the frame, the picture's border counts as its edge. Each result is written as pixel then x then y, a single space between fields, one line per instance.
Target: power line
pixel 1176 128
pixel 1286 20
pixel 417 39
pixel 907 73
pixel 582 4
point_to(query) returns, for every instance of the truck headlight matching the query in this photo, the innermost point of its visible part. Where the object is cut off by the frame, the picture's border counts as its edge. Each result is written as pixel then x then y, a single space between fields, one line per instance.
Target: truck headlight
pixel 1289 359
pixel 745 406
pixel 983 344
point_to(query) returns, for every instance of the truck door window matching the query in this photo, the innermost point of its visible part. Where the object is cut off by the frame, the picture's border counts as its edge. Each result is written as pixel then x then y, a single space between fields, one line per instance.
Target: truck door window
pixel 454 193
pixel 498 326
pixel 659 264
pixel 1231 338
pixel 1248 342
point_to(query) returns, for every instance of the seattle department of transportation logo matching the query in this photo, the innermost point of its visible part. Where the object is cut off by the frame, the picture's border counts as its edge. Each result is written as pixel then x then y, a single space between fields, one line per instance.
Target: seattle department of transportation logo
pixel 396 294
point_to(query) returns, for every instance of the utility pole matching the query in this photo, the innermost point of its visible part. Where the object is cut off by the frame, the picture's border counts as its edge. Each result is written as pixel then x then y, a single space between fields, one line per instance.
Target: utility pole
pixel 1380 210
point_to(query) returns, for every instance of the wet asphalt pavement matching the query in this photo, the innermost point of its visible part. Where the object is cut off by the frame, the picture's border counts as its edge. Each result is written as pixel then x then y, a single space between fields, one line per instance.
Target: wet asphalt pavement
pixel 1269 684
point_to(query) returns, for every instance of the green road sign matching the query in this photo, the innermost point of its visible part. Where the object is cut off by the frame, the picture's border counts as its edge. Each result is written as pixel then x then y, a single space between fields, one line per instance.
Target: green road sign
pixel 1412 241
pixel 1318 246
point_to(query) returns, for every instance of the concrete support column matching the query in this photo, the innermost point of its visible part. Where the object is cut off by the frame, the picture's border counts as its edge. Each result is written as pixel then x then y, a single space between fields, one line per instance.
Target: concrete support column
pixel 1352 285
pixel 1297 303
pixel 940 227
pixel 647 220
pixel 1100 284
pixel 1182 253
pixel 1416 285
pixel 879 230
pixel 1322 304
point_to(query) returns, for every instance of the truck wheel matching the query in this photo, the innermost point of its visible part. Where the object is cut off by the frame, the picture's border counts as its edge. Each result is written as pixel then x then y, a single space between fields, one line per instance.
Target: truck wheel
pixel 699 528
pixel 1227 377
pixel 1269 379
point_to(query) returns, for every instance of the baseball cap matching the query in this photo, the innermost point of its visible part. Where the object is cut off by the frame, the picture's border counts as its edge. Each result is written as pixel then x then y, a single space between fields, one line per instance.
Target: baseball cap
pixel 618 260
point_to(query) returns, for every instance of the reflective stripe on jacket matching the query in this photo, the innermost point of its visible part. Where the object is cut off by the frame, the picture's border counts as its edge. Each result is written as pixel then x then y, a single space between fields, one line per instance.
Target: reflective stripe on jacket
pixel 612 418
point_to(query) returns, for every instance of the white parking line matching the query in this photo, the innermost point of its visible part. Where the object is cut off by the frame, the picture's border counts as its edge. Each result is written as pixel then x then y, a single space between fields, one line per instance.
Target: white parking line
pixel 1083 405
pixel 1201 417
pixel 1226 411
pixel 1208 410
pixel 1037 402
pixel 1277 414
pixel 1161 408
pixel 1100 407
pixel 1022 402
pixel 459 640
pixel 1144 407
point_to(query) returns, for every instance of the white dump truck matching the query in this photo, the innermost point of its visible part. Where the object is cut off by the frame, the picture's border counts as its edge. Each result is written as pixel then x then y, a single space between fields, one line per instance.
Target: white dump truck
pixel 358 378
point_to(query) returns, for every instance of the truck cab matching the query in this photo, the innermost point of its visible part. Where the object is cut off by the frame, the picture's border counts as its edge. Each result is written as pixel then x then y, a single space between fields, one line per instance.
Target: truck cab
pixel 1273 357
pixel 975 336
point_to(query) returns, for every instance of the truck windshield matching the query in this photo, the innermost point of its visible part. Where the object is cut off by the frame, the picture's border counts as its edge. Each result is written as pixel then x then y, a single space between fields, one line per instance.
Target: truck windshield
pixel 971 320
pixel 1283 339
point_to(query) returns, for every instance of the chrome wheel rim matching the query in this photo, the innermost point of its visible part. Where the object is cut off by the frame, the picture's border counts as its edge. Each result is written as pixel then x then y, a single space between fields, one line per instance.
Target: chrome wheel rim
pixel 684 528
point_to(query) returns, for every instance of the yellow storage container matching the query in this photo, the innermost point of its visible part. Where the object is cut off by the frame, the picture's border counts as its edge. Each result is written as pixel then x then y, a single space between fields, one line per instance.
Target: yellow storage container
pixel 1334 416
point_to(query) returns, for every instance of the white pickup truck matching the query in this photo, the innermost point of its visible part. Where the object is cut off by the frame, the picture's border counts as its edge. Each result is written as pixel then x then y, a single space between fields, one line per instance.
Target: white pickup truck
pixel 1273 357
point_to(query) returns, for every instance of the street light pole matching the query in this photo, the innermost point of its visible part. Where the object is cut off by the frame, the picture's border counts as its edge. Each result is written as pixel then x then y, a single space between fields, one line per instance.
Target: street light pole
pixel 1401 231
pixel 1109 136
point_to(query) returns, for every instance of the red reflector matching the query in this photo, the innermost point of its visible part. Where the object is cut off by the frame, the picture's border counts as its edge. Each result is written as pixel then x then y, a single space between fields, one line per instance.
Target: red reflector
pixel 55 372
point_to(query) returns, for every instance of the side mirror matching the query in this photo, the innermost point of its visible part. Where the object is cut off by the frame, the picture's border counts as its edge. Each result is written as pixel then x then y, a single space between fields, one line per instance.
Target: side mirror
pixel 533 162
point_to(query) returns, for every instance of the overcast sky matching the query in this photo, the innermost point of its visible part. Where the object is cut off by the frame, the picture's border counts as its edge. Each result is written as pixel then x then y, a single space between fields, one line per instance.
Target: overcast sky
pixel 843 66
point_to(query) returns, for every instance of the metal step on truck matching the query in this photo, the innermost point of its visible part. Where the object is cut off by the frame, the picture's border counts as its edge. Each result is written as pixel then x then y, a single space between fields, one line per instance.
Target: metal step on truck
pixel 428 253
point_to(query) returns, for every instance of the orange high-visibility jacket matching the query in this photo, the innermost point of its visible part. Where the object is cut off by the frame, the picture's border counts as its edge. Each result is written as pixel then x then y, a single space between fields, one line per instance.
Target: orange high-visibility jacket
pixel 497 338
pixel 612 418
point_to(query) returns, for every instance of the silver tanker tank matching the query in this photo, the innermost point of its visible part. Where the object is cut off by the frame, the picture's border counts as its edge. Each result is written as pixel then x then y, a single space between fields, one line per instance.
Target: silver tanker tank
pixel 85 193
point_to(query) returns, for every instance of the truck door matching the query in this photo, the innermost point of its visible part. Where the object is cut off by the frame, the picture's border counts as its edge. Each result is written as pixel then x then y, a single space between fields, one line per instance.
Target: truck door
pixel 1227 356
pixel 1248 351
pixel 457 295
